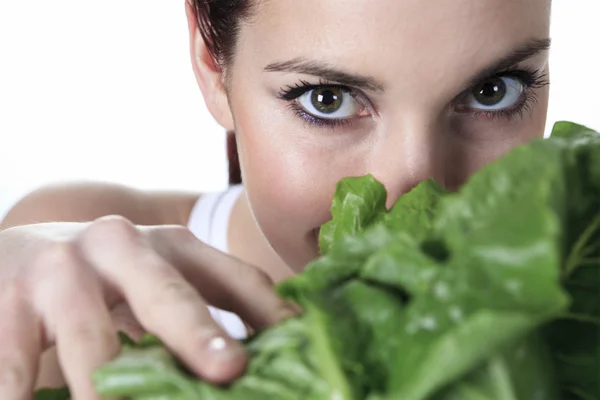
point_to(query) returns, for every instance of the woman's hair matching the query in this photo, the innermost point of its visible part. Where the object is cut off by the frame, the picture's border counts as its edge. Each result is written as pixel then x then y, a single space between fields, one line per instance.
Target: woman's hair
pixel 219 24
pixel 235 172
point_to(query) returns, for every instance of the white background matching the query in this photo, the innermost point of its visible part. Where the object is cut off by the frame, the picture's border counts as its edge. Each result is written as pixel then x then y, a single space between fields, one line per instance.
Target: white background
pixel 104 90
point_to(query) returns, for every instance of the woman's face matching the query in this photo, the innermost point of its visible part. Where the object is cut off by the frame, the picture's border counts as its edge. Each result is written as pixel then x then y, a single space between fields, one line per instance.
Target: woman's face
pixel 403 89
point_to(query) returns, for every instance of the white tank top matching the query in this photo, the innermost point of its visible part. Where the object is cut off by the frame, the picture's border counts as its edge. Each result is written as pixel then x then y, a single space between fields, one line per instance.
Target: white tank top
pixel 209 222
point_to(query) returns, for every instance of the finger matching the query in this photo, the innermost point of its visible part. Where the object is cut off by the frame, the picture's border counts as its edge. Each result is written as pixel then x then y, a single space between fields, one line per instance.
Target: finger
pixel 225 281
pixel 75 312
pixel 169 307
pixel 20 343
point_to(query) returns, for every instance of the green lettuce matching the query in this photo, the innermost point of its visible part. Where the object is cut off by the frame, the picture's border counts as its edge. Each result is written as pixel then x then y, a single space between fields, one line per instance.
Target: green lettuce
pixel 492 292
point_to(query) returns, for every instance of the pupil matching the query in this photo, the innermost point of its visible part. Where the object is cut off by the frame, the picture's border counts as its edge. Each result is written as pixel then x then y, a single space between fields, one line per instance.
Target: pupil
pixel 491 92
pixel 327 100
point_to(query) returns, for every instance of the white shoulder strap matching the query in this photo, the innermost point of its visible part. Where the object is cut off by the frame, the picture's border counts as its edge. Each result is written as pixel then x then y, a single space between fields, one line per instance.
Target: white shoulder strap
pixel 200 221
pixel 221 216
pixel 209 222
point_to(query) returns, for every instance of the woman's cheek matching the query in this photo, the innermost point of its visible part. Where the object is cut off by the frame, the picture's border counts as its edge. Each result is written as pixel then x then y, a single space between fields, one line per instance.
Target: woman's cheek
pixel 286 185
pixel 289 182
pixel 290 178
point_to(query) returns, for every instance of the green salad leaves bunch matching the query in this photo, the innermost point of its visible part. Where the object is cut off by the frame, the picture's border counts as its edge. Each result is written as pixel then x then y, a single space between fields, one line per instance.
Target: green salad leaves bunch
pixel 489 293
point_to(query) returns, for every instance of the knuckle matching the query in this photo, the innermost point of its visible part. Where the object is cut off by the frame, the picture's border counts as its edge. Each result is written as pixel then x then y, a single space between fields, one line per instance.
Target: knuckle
pixel 111 232
pixel 170 295
pixel 175 290
pixel 91 334
pixel 110 229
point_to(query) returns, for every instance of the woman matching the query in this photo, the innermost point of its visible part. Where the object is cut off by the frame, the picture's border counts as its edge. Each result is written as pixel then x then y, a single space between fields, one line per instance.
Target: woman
pixel 315 91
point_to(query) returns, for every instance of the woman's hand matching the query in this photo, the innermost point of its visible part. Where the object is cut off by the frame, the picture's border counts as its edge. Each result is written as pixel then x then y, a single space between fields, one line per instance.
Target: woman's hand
pixel 59 283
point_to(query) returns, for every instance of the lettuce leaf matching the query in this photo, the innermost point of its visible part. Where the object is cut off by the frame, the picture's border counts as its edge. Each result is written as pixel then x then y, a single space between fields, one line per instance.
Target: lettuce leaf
pixel 492 292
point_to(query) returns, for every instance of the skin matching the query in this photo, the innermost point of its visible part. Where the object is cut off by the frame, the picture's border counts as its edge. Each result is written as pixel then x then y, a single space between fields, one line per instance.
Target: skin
pixel 413 132
pixel 412 122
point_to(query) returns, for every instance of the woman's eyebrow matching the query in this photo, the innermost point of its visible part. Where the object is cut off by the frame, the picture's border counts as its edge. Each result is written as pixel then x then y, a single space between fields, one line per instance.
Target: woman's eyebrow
pixel 316 68
pixel 518 55
pixel 325 71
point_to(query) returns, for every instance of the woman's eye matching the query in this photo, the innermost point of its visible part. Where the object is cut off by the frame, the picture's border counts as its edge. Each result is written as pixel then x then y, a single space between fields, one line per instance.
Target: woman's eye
pixel 494 94
pixel 330 103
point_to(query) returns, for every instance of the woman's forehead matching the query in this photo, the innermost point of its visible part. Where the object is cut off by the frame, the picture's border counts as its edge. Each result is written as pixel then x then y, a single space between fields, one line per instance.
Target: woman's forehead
pixel 424 32
pixel 400 14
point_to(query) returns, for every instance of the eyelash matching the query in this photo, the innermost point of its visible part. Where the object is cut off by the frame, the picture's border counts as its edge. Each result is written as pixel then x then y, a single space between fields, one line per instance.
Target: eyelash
pixel 292 93
pixel 531 79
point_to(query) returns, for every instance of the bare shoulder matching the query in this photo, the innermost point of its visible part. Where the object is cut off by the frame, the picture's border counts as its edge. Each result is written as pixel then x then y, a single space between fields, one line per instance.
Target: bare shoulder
pixel 87 201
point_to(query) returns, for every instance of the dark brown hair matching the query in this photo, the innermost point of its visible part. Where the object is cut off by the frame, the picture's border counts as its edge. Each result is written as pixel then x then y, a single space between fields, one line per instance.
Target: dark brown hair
pixel 219 24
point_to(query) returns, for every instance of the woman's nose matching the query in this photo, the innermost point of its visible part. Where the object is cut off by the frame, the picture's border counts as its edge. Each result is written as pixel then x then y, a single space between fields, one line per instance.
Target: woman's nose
pixel 408 154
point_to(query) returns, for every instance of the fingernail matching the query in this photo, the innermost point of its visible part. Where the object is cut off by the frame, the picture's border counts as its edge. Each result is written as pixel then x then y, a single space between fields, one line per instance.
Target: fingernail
pixel 216 344
pixel 223 348
pixel 223 359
